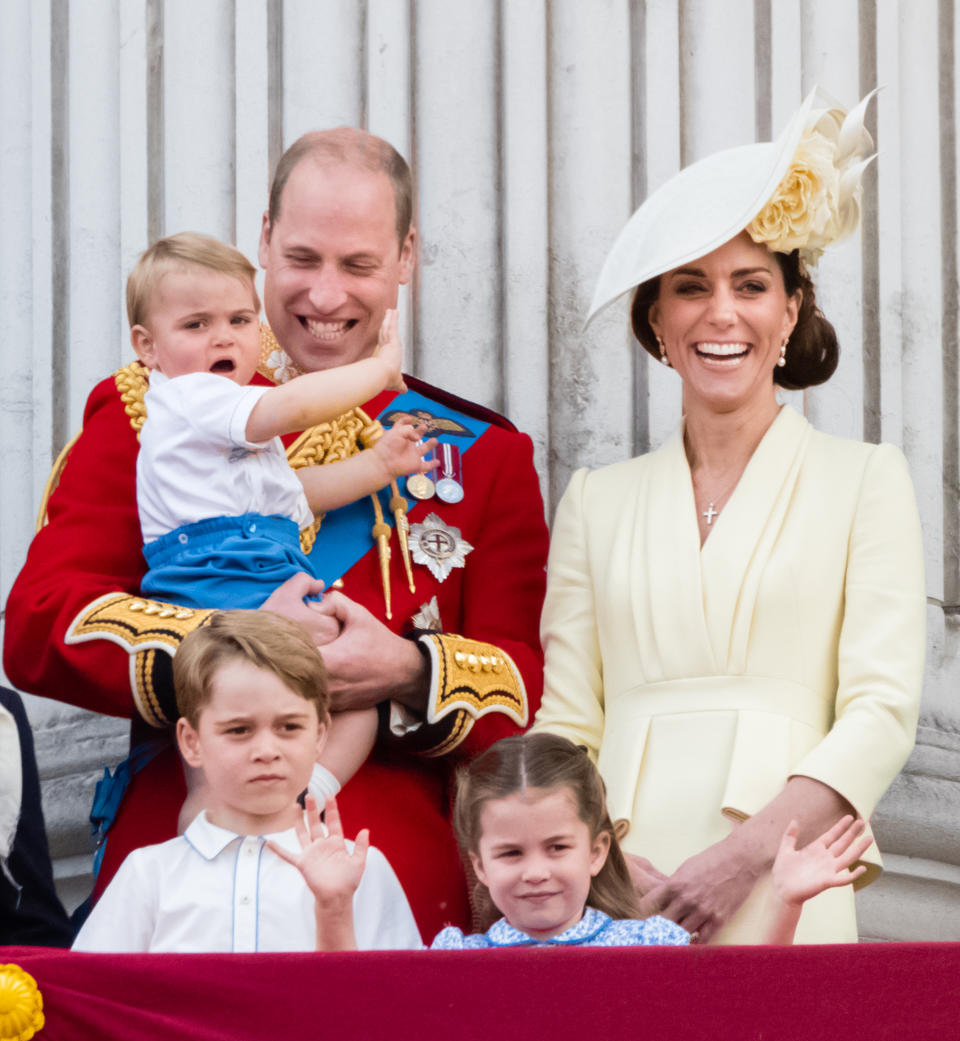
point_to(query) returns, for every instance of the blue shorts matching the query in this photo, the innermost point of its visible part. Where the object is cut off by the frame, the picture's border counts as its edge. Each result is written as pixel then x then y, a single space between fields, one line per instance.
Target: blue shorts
pixel 224 562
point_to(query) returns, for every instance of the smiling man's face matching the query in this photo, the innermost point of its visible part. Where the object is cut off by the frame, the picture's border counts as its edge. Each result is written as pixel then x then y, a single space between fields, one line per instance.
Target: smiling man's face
pixel 333 263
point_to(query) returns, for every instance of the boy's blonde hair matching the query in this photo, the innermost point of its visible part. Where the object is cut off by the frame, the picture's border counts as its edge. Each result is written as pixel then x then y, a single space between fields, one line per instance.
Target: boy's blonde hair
pixel 188 248
pixel 261 638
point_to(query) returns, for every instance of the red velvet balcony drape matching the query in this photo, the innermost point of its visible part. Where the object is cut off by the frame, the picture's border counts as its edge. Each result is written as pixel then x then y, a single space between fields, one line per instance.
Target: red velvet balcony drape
pixel 870 991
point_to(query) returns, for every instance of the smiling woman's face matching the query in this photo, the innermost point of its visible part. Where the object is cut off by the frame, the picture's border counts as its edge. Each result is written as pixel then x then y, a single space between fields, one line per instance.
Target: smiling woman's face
pixel 722 319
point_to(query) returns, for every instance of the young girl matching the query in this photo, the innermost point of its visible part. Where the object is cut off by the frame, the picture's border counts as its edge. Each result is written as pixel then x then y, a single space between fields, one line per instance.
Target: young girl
pixel 531 815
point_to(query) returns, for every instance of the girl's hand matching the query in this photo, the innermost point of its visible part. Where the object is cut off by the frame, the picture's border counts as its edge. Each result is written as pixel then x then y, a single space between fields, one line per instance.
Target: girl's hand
pixel 390 351
pixel 799 874
pixel 331 870
pixel 400 451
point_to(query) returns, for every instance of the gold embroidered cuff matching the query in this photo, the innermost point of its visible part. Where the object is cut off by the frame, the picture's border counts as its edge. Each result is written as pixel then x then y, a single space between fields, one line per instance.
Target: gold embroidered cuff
pixel 470 679
pixel 142 628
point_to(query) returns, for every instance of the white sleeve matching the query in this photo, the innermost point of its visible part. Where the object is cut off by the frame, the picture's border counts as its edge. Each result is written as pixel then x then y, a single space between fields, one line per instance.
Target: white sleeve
pixel 322 784
pixel 215 407
pixel 124 918
pixel 382 916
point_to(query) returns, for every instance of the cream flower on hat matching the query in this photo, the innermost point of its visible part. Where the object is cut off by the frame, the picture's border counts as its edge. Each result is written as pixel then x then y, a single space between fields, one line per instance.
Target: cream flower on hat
pixel 801 191
pixel 818 201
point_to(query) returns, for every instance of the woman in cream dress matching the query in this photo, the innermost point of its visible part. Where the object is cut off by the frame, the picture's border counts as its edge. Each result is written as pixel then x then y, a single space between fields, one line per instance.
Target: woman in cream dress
pixel 734 623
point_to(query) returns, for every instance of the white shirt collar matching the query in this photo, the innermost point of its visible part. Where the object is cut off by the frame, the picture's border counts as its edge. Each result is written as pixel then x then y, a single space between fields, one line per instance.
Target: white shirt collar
pixel 210 840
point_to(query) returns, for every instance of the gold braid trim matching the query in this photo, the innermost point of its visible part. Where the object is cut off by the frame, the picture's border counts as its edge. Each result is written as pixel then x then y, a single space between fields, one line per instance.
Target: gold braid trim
pixel 54 479
pixel 142 665
pixel 343 437
pixel 472 679
pixel 462 725
pixel 132 382
pixel 141 627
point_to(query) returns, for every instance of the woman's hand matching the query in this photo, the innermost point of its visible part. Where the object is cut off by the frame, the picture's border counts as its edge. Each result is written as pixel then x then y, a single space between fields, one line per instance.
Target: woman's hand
pixel 704 893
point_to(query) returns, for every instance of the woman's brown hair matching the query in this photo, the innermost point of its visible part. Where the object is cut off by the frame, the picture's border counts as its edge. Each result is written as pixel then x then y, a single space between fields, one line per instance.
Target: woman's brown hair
pixel 812 350
pixel 548 762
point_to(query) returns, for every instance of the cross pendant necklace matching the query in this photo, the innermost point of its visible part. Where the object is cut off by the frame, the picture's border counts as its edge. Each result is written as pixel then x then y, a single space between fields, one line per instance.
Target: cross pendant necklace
pixel 717 503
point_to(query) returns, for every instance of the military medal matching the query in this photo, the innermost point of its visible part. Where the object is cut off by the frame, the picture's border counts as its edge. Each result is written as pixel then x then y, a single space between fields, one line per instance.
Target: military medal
pixel 420 486
pixel 449 474
pixel 440 546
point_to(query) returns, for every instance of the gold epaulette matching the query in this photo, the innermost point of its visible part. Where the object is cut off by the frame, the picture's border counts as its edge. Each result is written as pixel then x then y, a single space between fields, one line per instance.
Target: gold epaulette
pixel 470 679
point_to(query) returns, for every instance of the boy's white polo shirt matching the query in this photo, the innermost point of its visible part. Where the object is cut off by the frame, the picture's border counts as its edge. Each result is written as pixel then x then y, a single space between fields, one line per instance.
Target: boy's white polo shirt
pixel 213 890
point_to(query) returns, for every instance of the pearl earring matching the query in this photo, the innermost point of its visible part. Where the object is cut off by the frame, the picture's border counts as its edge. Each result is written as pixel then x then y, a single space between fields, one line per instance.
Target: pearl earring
pixel 782 360
pixel 663 353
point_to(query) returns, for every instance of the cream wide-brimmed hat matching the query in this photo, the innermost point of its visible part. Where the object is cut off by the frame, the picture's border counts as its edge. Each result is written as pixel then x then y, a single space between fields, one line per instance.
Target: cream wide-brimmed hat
pixel 801 191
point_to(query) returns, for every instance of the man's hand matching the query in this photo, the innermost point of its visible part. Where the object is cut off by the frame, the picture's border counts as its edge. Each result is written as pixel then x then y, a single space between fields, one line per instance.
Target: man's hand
pixel 400 451
pixel 287 599
pixel 390 351
pixel 367 663
pixel 799 874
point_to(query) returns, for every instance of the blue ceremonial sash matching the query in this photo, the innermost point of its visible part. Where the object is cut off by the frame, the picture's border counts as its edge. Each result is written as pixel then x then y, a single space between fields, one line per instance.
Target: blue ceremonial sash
pixel 345 536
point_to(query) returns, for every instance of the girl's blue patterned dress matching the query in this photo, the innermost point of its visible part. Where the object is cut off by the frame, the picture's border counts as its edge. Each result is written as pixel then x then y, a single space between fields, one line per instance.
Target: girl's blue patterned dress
pixel 595 929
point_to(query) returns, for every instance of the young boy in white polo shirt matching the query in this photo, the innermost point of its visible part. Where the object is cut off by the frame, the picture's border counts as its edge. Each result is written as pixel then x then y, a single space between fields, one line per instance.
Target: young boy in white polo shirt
pixel 253 871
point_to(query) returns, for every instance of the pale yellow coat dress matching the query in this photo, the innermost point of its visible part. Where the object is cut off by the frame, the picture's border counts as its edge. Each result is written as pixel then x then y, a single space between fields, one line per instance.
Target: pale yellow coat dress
pixel 792 643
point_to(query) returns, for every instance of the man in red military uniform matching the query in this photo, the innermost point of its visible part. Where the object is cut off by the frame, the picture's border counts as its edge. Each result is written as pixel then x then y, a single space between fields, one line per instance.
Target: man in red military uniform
pixel 337 242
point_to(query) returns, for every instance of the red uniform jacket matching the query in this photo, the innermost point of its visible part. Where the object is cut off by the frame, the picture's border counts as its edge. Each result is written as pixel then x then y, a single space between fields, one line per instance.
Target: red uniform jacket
pixel 76 631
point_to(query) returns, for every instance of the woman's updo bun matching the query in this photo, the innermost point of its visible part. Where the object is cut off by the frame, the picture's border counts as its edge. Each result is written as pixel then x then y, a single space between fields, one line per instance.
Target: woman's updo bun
pixel 812 350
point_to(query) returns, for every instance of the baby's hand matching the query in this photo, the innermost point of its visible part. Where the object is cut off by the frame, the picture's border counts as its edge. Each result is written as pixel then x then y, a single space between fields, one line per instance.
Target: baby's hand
pixel 390 351
pixel 331 870
pixel 799 874
pixel 400 451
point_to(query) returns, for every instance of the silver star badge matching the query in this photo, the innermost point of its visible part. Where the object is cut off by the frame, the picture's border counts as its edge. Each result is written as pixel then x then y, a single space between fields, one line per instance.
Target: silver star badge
pixel 428 617
pixel 440 546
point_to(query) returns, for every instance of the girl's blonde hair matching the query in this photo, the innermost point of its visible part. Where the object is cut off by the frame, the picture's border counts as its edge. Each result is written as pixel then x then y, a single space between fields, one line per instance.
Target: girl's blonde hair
pixel 543 761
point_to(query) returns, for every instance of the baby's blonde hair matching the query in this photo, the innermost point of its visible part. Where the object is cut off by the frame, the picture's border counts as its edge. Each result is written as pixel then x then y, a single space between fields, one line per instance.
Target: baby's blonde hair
pixel 188 248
